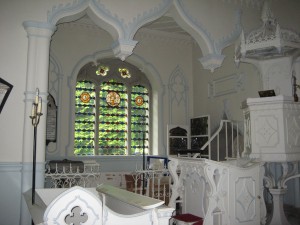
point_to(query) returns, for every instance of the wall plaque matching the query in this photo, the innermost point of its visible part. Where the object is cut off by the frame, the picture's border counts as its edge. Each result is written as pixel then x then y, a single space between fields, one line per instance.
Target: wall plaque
pixel 51 120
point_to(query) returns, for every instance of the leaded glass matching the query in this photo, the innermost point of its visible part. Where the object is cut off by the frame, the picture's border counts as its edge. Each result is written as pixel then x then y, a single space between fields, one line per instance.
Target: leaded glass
pixel 84 119
pixel 139 120
pixel 112 120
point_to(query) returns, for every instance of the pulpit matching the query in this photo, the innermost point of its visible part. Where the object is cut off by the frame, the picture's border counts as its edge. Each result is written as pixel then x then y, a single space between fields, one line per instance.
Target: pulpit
pixel 272 124
pixel 272 128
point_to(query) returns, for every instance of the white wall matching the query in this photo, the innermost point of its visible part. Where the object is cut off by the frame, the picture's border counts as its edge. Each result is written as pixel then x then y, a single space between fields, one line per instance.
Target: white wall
pixel 165 54
pixel 208 30
pixel 230 86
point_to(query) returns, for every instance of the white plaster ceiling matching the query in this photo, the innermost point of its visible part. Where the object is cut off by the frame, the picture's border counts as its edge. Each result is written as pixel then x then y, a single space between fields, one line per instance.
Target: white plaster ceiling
pixel 166 24
pixel 163 24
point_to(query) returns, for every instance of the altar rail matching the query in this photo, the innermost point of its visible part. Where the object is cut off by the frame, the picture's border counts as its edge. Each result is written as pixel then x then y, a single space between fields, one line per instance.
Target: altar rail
pixel 155 183
pixel 152 183
pixel 70 175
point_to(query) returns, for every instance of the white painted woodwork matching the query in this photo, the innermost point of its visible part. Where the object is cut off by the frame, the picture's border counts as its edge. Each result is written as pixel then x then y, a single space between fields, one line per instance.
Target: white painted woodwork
pixel 220 192
pixel 139 201
pixel 272 128
pixel 87 205
pixel 272 125
pixel 65 176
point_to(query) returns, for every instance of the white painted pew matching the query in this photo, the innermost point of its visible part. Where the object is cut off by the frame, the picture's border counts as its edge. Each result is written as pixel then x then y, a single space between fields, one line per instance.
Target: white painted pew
pixel 104 205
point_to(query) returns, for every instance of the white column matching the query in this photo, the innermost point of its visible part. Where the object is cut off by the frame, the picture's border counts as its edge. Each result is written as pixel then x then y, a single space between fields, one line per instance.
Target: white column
pixel 278 217
pixel 39 36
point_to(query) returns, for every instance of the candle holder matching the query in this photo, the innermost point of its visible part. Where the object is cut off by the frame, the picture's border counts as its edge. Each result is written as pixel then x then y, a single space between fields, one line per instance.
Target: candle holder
pixel 36 113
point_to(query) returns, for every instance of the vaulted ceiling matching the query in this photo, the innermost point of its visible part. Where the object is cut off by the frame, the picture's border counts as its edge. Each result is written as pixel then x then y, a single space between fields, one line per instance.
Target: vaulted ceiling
pixel 163 24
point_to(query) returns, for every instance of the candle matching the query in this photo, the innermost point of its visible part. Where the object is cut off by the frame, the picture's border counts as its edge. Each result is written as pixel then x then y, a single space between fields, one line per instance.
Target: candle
pixel 37 96
pixel 39 109
pixel 33 110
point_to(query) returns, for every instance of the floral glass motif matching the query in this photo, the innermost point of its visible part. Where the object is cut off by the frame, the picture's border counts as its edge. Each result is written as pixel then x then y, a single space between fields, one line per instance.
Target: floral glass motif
pixel 124 73
pixel 113 99
pixel 85 97
pixel 102 70
pixel 139 100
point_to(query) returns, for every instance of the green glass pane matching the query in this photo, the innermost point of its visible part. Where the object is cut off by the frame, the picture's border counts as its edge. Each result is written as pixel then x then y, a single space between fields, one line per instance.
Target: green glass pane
pixel 139 120
pixel 112 120
pixel 84 119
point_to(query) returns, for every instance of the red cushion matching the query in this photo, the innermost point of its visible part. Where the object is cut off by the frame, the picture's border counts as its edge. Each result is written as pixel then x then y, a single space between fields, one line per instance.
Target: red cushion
pixel 188 218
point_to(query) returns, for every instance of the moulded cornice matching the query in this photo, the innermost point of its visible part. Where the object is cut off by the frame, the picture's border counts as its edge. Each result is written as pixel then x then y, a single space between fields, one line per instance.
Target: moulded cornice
pixel 63 10
pixel 40 29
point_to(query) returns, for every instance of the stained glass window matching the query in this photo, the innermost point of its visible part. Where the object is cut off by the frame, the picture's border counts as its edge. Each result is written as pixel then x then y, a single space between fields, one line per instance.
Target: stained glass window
pixel 112 116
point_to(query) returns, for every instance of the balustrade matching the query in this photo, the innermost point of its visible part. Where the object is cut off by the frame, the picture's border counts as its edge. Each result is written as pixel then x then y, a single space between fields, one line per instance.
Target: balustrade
pixel 70 174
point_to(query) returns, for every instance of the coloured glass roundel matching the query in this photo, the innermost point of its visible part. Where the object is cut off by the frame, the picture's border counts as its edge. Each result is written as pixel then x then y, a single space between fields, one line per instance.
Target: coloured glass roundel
pixel 139 100
pixel 113 99
pixel 85 97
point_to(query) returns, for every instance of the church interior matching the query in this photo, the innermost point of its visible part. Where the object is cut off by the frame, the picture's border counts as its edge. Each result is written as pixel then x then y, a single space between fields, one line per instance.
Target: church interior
pixel 150 112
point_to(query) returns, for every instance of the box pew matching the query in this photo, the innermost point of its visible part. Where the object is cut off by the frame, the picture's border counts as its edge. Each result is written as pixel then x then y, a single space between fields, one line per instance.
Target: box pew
pixel 104 205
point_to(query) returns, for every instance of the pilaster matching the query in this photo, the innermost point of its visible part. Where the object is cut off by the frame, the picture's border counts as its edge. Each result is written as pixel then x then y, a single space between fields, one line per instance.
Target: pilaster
pixel 39 36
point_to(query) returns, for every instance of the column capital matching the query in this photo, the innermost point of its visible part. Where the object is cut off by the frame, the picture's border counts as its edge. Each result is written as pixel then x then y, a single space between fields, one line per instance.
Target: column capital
pixel 39 29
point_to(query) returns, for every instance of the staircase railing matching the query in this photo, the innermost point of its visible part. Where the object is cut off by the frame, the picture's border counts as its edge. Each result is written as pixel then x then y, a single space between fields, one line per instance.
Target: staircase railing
pixel 226 143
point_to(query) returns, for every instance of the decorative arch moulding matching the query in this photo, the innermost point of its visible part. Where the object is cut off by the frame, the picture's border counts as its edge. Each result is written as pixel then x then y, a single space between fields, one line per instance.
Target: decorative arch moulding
pixel 212 61
pixel 123 30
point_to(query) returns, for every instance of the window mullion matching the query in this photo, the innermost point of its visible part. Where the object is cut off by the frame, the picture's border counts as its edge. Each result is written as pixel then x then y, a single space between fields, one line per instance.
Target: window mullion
pixel 128 149
pixel 96 137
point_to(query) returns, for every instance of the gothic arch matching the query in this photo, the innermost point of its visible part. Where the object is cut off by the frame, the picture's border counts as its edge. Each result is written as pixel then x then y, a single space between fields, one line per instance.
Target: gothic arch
pixel 123 31
pixel 157 96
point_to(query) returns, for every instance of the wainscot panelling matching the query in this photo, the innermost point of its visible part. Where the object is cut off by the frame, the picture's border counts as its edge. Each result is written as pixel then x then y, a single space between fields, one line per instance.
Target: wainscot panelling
pixel 10 193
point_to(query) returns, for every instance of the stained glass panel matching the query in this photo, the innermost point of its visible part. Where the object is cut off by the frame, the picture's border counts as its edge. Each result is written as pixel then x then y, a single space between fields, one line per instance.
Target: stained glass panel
pixel 139 120
pixel 113 120
pixel 84 118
